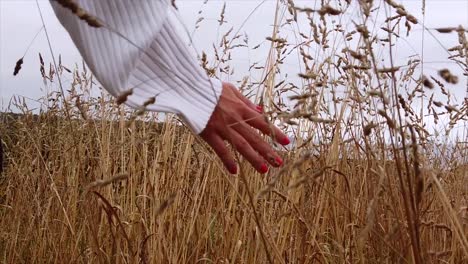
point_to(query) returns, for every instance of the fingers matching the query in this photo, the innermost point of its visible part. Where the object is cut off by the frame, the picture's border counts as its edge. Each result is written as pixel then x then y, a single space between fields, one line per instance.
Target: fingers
pixel 246 150
pixel 219 147
pixel 232 120
pixel 258 121
pixel 258 144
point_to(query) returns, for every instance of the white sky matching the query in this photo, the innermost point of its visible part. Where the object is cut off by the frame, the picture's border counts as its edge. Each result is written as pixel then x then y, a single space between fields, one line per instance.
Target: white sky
pixel 20 20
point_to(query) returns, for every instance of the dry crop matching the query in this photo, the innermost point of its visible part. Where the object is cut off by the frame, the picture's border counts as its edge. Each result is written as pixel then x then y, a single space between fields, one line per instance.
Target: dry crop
pixel 367 180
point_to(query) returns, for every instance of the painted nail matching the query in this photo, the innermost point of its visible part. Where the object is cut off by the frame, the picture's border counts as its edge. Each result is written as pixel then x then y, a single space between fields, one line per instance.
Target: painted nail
pixel 233 169
pixel 259 108
pixel 263 168
pixel 279 161
pixel 285 141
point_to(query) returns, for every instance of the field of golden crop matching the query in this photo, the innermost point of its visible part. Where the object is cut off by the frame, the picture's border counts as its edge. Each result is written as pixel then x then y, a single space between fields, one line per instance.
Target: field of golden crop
pixel 88 181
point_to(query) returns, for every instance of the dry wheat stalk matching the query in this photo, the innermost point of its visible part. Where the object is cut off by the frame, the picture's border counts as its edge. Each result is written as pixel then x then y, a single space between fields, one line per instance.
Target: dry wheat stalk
pixel 80 12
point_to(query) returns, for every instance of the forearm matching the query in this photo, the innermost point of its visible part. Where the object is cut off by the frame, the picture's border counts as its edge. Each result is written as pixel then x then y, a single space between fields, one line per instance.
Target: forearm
pixel 152 60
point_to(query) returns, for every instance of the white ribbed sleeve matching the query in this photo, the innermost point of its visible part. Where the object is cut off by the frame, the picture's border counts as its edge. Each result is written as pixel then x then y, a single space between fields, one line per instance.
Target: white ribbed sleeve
pixel 152 59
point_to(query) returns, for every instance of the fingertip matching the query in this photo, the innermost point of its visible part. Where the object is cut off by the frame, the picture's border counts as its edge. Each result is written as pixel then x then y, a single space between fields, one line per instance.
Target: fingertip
pixel 284 141
pixel 263 169
pixel 259 109
pixel 232 168
pixel 278 161
pixel 275 160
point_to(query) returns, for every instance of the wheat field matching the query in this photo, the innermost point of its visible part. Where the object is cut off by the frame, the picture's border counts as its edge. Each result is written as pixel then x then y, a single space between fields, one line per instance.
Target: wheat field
pixel 86 180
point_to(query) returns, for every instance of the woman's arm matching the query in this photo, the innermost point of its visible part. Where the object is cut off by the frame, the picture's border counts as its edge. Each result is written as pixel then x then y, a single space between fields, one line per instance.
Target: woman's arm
pixel 138 49
pixel 138 57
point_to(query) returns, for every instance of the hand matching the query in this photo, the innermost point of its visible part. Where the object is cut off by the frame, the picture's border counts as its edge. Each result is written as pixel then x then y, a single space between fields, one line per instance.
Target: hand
pixel 234 120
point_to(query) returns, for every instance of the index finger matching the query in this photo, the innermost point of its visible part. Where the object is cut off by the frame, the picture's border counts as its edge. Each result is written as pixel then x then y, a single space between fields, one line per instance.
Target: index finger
pixel 259 121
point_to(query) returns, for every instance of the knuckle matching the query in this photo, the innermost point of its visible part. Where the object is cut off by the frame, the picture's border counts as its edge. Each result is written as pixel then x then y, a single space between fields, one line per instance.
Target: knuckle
pixel 243 145
pixel 223 153
pixel 257 142
pixel 265 148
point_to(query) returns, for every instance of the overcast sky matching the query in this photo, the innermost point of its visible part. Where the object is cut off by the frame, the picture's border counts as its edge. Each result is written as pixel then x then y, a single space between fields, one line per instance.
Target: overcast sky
pixel 20 21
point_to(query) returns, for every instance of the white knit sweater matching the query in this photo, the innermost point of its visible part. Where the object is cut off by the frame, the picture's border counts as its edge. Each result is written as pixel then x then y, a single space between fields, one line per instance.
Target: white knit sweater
pixel 153 59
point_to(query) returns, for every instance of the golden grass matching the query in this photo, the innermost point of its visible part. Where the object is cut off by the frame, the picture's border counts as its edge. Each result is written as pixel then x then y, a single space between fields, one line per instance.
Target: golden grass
pixel 87 181
pixel 178 205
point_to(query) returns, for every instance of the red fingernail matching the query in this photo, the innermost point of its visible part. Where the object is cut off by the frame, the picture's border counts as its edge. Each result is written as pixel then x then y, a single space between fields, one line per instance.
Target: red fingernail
pixel 263 168
pixel 279 161
pixel 285 141
pixel 233 169
pixel 259 108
